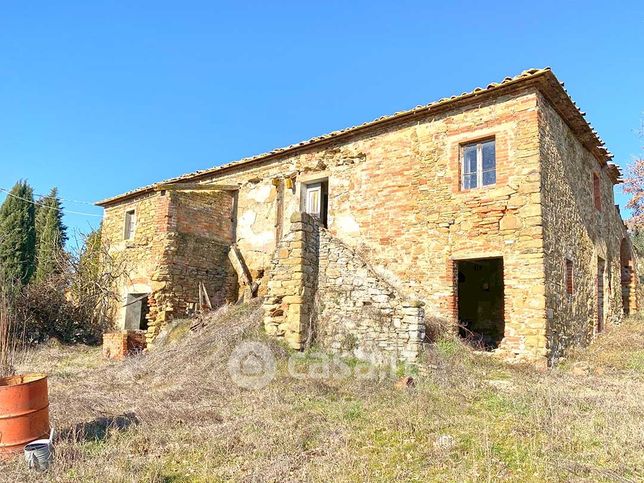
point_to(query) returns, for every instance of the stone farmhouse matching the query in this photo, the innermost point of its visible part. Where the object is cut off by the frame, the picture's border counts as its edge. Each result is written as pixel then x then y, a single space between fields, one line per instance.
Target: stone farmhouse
pixel 490 213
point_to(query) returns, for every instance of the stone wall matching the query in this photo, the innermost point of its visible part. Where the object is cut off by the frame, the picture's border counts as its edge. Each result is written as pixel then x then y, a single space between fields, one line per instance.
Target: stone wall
pixel 181 240
pixel 144 252
pixel 320 290
pixel 293 279
pixel 199 237
pixel 395 198
pixel 360 313
pixel 576 230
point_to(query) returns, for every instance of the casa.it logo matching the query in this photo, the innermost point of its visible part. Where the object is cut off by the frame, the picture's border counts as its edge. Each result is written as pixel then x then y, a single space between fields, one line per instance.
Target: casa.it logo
pixel 251 365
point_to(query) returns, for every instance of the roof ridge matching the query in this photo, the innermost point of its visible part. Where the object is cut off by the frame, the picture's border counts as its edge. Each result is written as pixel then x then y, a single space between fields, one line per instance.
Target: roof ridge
pixel 524 76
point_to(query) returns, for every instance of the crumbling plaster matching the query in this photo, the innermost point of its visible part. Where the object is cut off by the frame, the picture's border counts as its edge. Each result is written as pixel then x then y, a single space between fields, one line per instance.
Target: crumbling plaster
pixel 395 200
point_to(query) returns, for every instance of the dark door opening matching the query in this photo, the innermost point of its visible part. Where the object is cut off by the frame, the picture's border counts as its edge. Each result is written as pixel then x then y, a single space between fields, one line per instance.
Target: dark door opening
pixel 627 275
pixel 600 295
pixel 136 311
pixel 480 301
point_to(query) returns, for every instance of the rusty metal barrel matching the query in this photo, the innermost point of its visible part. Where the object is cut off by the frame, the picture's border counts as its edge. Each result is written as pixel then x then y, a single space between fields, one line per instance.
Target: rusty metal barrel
pixel 24 412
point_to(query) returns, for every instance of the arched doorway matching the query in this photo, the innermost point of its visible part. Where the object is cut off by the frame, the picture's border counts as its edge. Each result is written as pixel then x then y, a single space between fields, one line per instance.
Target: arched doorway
pixel 627 276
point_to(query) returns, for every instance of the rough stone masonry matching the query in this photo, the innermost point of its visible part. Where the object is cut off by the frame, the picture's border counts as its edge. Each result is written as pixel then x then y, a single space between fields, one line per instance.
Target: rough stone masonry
pixel 490 214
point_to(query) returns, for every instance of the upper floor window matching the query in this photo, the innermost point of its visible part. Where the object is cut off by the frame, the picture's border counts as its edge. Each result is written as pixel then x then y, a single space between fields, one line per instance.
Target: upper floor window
pixel 597 197
pixel 130 224
pixel 478 165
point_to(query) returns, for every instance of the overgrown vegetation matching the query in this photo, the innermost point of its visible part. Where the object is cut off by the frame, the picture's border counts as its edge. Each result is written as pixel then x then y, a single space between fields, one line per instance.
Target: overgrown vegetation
pixel 51 235
pixel 634 186
pixel 175 414
pixel 73 303
pixel 18 235
pixel 59 292
pixel 11 334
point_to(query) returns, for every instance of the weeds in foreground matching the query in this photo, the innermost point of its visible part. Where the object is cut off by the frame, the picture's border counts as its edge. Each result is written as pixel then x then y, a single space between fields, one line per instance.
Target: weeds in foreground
pixel 11 335
pixel 175 415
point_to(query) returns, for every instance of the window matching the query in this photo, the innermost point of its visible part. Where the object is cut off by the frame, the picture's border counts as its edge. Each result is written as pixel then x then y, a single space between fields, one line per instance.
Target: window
pixel 130 224
pixel 316 200
pixel 568 277
pixel 597 192
pixel 478 165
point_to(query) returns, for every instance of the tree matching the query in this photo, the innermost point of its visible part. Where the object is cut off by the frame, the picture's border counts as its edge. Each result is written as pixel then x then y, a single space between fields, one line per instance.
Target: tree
pixel 76 302
pixel 17 234
pixel 634 186
pixel 637 237
pixel 90 255
pixel 51 234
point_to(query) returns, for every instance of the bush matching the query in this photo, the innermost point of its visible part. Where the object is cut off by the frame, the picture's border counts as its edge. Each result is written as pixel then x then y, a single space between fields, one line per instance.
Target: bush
pixel 11 333
pixel 50 310
pixel 74 303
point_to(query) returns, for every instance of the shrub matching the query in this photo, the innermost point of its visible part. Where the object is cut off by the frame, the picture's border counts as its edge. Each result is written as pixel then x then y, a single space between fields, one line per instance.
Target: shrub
pixel 74 303
pixel 51 311
pixel 11 333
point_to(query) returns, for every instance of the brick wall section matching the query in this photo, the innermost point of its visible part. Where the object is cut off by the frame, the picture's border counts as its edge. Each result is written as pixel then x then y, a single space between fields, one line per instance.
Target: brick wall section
pixel 575 229
pixel 181 239
pixel 630 292
pixel 203 214
pixel 118 345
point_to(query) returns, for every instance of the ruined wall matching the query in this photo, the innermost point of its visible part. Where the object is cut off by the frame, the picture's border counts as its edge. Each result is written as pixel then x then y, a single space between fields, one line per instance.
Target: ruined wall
pixel 321 290
pixel 394 197
pixel 181 239
pixel 293 280
pixel 361 314
pixel 199 237
pixel 574 229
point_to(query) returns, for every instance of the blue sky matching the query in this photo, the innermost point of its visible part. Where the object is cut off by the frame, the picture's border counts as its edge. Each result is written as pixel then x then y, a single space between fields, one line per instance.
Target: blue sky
pixel 99 97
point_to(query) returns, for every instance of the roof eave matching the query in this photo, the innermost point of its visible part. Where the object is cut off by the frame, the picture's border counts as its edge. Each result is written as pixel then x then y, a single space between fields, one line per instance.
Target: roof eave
pixel 543 79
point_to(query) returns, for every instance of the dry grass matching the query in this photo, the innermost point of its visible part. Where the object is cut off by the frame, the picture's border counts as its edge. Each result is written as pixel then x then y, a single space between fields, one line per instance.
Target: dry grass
pixel 175 415
pixel 11 336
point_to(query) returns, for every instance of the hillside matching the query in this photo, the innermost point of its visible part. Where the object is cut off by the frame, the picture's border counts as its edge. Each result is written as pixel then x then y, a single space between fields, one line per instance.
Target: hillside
pixel 175 415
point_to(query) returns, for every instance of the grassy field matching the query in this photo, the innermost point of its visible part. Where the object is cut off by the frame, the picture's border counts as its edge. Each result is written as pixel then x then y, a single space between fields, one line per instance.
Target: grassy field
pixel 175 415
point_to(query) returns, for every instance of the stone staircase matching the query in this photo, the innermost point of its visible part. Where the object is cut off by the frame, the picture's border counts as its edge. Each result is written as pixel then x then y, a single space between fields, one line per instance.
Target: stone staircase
pixel 321 289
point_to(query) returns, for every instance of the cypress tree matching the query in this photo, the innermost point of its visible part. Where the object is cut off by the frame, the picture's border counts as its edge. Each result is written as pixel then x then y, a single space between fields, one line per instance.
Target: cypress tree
pixel 51 235
pixel 18 234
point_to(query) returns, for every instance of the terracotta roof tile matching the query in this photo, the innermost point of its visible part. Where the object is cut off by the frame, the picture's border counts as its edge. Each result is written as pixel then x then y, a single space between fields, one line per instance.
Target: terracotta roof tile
pixel 543 78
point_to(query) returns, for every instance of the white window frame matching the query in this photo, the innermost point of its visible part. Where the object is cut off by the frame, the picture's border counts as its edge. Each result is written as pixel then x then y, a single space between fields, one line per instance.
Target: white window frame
pixel 129 228
pixel 479 163
pixel 309 189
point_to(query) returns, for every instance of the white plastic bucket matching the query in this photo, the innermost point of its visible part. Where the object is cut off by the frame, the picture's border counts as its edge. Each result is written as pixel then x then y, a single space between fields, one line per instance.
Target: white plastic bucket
pixel 39 453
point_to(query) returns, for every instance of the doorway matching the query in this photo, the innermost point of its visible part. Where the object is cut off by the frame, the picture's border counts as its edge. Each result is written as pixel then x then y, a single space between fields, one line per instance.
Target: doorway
pixel 136 311
pixel 480 301
pixel 600 295
pixel 627 275
pixel 316 200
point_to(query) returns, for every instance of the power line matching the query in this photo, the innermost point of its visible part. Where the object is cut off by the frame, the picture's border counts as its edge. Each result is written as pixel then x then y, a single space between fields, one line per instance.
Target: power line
pixel 71 212
pixel 68 201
